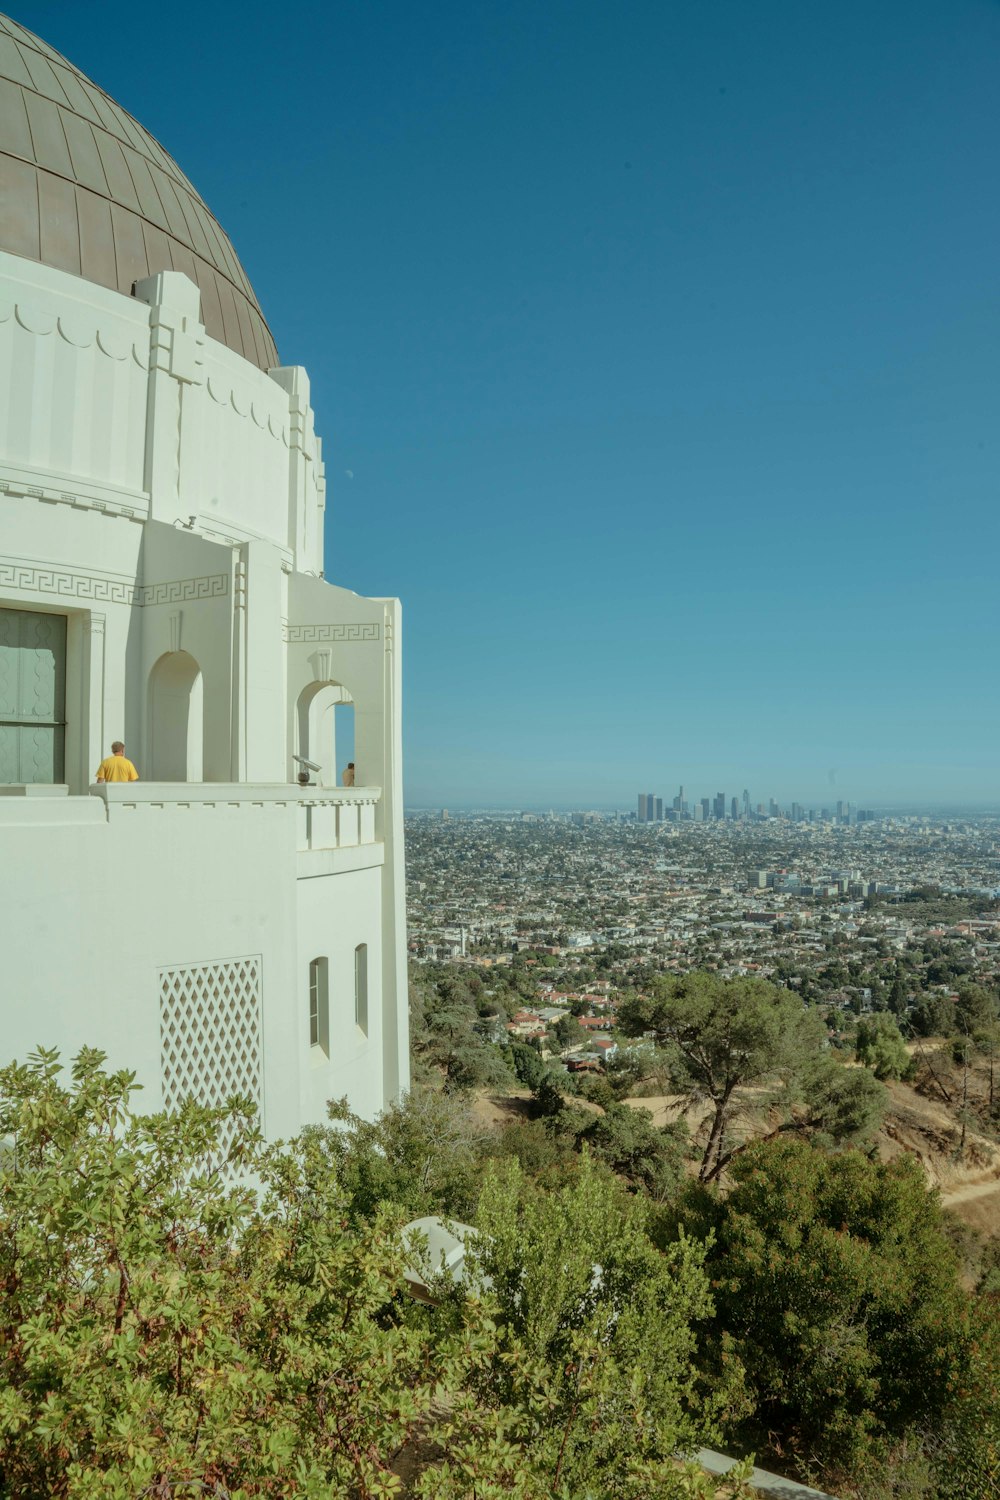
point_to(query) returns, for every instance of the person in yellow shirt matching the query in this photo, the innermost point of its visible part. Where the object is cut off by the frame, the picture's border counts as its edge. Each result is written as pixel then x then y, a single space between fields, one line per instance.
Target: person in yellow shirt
pixel 115 767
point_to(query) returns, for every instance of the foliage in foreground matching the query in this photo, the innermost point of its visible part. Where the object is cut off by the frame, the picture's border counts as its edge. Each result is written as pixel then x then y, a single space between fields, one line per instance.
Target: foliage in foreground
pixel 837 1287
pixel 596 1322
pixel 165 1335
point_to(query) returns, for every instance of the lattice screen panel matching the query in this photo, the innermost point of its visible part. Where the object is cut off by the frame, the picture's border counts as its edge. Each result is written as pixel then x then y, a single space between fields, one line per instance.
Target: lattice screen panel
pixel 210 1032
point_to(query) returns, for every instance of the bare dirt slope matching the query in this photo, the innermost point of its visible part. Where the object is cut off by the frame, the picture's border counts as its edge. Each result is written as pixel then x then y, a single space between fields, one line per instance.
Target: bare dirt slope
pixel 916 1125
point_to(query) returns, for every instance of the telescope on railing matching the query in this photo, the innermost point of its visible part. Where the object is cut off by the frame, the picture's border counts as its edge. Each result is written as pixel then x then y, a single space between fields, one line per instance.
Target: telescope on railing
pixel 307 765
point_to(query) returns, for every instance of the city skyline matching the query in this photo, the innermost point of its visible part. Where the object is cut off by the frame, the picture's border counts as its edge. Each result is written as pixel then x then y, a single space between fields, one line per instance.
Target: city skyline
pixel 932 808
pixel 659 358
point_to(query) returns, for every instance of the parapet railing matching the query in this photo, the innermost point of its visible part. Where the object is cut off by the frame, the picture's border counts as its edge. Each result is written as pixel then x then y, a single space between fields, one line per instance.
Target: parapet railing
pixel 325 817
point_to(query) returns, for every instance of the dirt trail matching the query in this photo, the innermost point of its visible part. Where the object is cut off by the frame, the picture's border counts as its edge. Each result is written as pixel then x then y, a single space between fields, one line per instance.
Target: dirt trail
pixel 973 1190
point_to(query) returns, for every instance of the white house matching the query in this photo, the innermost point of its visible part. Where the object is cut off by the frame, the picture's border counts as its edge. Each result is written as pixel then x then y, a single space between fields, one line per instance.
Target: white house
pixel 215 926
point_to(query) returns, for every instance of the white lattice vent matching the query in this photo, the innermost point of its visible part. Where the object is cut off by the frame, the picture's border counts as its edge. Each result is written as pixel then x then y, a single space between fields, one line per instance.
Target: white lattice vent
pixel 210 1032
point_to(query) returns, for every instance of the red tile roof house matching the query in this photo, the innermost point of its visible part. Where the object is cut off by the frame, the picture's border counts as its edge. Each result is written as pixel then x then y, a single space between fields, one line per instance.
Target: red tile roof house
pixel 526 1023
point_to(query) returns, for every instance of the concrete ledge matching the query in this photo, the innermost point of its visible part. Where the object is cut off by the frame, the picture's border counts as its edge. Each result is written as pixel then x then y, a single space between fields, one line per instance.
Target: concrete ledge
pixel 40 812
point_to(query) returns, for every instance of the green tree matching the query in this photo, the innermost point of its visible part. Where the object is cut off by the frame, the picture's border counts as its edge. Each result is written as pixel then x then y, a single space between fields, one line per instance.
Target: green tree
pixel 421 1155
pixel 975 1009
pixel 568 1032
pixel 527 1063
pixel 879 1045
pixel 844 1106
pixel 594 1328
pixel 722 1035
pixel 446 1034
pixel 966 1448
pixel 838 1287
pixel 164 1334
pixel 633 1147
pixel 934 1015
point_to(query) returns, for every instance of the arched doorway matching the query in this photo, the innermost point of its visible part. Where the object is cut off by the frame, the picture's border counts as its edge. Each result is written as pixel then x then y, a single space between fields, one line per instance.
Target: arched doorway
pixel 325 730
pixel 176 719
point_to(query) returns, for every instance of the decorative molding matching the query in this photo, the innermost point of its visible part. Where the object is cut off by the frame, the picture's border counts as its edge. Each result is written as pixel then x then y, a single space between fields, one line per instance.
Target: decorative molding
pixel 307 634
pixel 183 590
pixel 175 620
pixel 130 512
pixel 96 622
pixel 322 664
pixel 78 331
pixel 224 392
pixel 66 583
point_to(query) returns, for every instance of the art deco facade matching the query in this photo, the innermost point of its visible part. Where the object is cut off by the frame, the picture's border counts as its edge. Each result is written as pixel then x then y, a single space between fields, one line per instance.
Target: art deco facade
pixel 214 925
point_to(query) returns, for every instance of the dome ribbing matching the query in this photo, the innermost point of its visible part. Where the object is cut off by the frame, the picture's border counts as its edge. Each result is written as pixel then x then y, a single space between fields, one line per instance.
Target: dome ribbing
pixel 84 188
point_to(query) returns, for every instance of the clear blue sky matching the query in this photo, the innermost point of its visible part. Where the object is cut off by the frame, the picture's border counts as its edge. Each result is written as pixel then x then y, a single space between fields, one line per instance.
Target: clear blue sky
pixel 661 342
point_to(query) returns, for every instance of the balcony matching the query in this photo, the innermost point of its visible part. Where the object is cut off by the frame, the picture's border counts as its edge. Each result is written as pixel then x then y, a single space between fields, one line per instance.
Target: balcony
pixel 335 827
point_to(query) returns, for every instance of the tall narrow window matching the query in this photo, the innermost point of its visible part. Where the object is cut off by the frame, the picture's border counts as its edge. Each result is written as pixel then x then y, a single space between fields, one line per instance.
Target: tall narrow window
pixel 361 986
pixel 319 1005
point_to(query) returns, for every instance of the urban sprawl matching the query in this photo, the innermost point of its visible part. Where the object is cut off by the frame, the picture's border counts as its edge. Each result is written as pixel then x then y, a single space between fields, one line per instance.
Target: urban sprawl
pixel 857 912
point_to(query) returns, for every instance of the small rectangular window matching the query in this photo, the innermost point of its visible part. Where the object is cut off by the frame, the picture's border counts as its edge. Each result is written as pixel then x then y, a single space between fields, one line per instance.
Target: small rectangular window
pixel 319 1005
pixel 361 986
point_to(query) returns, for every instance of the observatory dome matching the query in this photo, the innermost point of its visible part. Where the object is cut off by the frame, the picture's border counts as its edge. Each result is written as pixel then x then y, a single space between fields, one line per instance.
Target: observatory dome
pixel 85 189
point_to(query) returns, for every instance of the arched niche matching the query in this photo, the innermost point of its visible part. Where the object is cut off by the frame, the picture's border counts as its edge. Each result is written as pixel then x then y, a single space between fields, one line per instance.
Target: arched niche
pixel 324 730
pixel 176 719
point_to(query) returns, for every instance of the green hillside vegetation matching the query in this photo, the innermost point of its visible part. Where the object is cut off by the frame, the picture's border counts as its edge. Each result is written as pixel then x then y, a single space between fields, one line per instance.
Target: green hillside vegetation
pixel 765 1286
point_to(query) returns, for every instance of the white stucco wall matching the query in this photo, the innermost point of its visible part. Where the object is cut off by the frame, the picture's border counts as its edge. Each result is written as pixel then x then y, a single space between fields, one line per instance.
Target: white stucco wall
pixel 168 499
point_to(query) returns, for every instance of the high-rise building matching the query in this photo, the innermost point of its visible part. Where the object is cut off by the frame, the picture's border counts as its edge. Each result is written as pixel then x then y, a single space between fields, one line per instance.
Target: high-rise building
pixel 642 814
pixel 734 809
pixel 659 809
pixel 706 807
pixel 720 806
pixel 746 805
pixel 773 809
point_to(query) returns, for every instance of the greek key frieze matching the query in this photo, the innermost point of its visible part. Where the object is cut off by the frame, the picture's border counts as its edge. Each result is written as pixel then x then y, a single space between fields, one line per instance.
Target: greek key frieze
pixel 183 590
pixel 307 634
pixel 65 583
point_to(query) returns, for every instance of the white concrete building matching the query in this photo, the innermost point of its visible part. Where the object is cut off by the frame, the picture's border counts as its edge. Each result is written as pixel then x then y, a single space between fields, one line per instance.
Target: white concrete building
pixel 214 926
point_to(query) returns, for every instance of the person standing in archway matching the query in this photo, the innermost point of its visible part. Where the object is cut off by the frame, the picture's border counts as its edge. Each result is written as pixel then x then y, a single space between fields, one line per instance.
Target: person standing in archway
pixel 347 779
pixel 115 767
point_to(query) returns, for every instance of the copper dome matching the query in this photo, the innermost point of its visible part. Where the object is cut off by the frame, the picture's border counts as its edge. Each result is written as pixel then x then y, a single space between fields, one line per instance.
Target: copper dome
pixel 84 188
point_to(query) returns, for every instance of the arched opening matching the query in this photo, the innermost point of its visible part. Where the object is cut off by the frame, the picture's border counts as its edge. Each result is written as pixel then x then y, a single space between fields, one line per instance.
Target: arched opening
pixel 325 731
pixel 176 719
